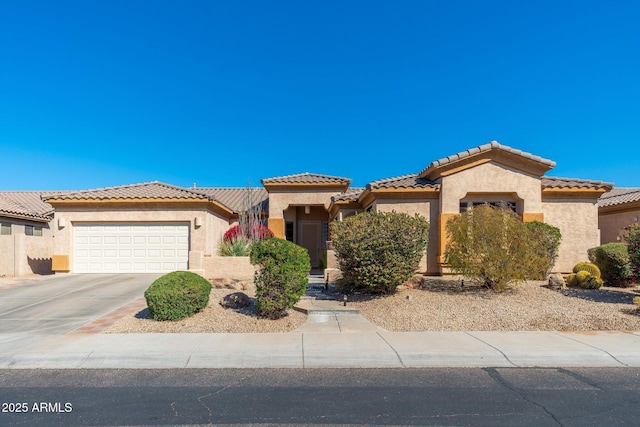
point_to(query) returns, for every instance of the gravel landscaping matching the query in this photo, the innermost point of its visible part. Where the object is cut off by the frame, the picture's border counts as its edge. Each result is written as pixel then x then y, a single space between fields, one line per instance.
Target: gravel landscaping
pixel 432 304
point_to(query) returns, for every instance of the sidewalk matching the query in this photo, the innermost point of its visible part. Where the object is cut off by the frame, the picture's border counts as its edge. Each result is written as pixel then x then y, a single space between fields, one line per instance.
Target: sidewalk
pixel 308 349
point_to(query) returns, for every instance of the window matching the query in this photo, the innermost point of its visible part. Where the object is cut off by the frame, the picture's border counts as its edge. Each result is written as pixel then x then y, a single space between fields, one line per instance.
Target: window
pixel 288 231
pixel 31 230
pixel 5 229
pixel 501 204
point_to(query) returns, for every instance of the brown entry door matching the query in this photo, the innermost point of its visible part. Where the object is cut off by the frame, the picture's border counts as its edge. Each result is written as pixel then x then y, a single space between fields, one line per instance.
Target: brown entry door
pixel 310 239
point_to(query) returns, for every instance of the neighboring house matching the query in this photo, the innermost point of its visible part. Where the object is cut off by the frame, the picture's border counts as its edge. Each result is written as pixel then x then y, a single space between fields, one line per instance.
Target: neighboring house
pixel 26 242
pixel 617 210
pixel 156 227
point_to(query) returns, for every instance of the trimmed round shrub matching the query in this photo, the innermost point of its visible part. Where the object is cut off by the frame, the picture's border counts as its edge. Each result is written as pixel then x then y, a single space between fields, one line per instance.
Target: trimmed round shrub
pixel 177 295
pixel 613 261
pixel 282 275
pixel 379 251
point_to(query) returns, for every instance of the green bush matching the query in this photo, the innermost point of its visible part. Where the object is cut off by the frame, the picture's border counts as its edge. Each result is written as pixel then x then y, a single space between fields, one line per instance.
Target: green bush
pixel 241 246
pixel 492 245
pixel 177 295
pixel 633 248
pixel 613 261
pixel 548 238
pixel 589 267
pixel 282 275
pixel 378 251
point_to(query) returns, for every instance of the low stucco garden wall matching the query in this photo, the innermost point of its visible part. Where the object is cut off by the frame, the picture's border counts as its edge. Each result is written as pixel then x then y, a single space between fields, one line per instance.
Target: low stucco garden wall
pixel 216 267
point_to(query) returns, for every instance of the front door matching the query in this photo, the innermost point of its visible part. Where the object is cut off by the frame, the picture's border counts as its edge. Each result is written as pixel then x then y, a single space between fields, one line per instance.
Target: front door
pixel 310 236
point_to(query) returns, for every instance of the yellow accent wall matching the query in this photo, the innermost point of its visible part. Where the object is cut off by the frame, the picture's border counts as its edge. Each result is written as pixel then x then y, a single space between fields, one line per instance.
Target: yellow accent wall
pixel 442 234
pixel 277 226
pixel 60 263
pixel 531 216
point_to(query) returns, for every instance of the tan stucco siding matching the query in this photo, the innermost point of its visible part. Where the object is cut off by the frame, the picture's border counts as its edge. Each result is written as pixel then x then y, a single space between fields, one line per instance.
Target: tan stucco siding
pixel 429 210
pixel 578 224
pixel 279 201
pixel 23 255
pixel 490 178
pixel 202 240
pixel 612 225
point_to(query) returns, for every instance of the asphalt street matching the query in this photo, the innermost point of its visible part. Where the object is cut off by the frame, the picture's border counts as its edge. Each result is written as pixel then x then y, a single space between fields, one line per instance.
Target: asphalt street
pixel 442 396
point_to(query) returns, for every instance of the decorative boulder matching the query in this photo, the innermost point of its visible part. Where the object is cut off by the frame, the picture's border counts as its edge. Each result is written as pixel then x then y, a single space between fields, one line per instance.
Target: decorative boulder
pixel 235 300
pixel 556 281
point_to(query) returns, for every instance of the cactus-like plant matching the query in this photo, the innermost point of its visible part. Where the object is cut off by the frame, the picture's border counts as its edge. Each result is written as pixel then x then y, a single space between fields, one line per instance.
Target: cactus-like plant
pixel 589 267
pixel 593 283
pixel 572 280
pixel 582 277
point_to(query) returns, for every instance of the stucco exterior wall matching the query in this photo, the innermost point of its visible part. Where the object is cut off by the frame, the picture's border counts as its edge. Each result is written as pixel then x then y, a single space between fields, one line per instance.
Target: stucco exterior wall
pixel 578 224
pixel 427 208
pixel 490 178
pixel 218 267
pixel 280 200
pixel 202 240
pixel 22 255
pixel 612 225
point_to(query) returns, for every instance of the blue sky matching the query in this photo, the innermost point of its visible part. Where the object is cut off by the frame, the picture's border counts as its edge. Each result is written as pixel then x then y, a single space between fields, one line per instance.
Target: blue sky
pixel 102 93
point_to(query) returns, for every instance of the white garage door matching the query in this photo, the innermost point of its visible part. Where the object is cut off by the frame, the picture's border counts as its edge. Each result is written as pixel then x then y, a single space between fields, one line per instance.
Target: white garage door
pixel 130 248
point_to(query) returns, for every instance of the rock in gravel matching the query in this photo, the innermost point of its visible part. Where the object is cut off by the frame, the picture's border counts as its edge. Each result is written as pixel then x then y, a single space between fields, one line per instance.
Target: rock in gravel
pixel 236 300
pixel 556 281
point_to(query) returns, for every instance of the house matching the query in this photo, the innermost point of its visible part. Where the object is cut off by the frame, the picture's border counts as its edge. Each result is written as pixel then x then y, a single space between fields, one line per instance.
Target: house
pixel 617 210
pixel 156 227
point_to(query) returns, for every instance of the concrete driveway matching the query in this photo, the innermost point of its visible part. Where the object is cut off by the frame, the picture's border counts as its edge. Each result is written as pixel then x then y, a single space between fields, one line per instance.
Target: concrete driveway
pixel 61 303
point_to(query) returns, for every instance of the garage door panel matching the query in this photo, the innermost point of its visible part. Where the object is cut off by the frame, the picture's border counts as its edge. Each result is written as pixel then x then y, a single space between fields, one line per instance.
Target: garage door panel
pixel 130 248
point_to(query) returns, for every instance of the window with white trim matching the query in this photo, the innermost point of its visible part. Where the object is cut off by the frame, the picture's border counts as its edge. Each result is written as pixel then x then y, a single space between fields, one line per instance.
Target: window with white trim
pixel 5 229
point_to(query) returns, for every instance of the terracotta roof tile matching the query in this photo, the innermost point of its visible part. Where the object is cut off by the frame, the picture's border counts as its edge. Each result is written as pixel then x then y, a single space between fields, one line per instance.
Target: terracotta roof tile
pixel 351 195
pixel 132 191
pixel 619 196
pixel 493 145
pixel 404 181
pixel 307 178
pixel 234 198
pixel 556 182
pixel 25 204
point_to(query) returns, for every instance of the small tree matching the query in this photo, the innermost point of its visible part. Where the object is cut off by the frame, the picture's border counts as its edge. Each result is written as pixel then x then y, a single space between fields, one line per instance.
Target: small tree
pixel 548 237
pixel 492 245
pixel 633 242
pixel 379 251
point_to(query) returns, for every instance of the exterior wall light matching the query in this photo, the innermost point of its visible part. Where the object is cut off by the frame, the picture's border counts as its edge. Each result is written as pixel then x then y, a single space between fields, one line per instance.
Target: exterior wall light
pixel 62 223
pixel 198 222
pixel 307 209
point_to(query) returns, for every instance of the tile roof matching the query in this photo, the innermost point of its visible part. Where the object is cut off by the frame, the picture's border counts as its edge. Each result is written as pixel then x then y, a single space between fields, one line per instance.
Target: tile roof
pixel 404 181
pixel 144 190
pixel 493 145
pixel 619 196
pixel 556 182
pixel 25 204
pixel 351 195
pixel 234 198
pixel 307 178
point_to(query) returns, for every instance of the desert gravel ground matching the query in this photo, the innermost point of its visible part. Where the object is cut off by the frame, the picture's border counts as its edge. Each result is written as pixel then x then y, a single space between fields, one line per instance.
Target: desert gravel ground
pixel 444 305
pixel 433 304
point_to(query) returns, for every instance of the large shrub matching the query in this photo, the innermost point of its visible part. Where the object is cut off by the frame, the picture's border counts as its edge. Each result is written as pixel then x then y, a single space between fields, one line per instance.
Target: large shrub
pixel 548 238
pixel 633 248
pixel 492 245
pixel 379 251
pixel 177 295
pixel 613 261
pixel 282 275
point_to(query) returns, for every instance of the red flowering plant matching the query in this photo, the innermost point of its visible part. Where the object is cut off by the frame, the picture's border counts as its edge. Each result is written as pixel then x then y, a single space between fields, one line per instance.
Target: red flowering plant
pixel 254 233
